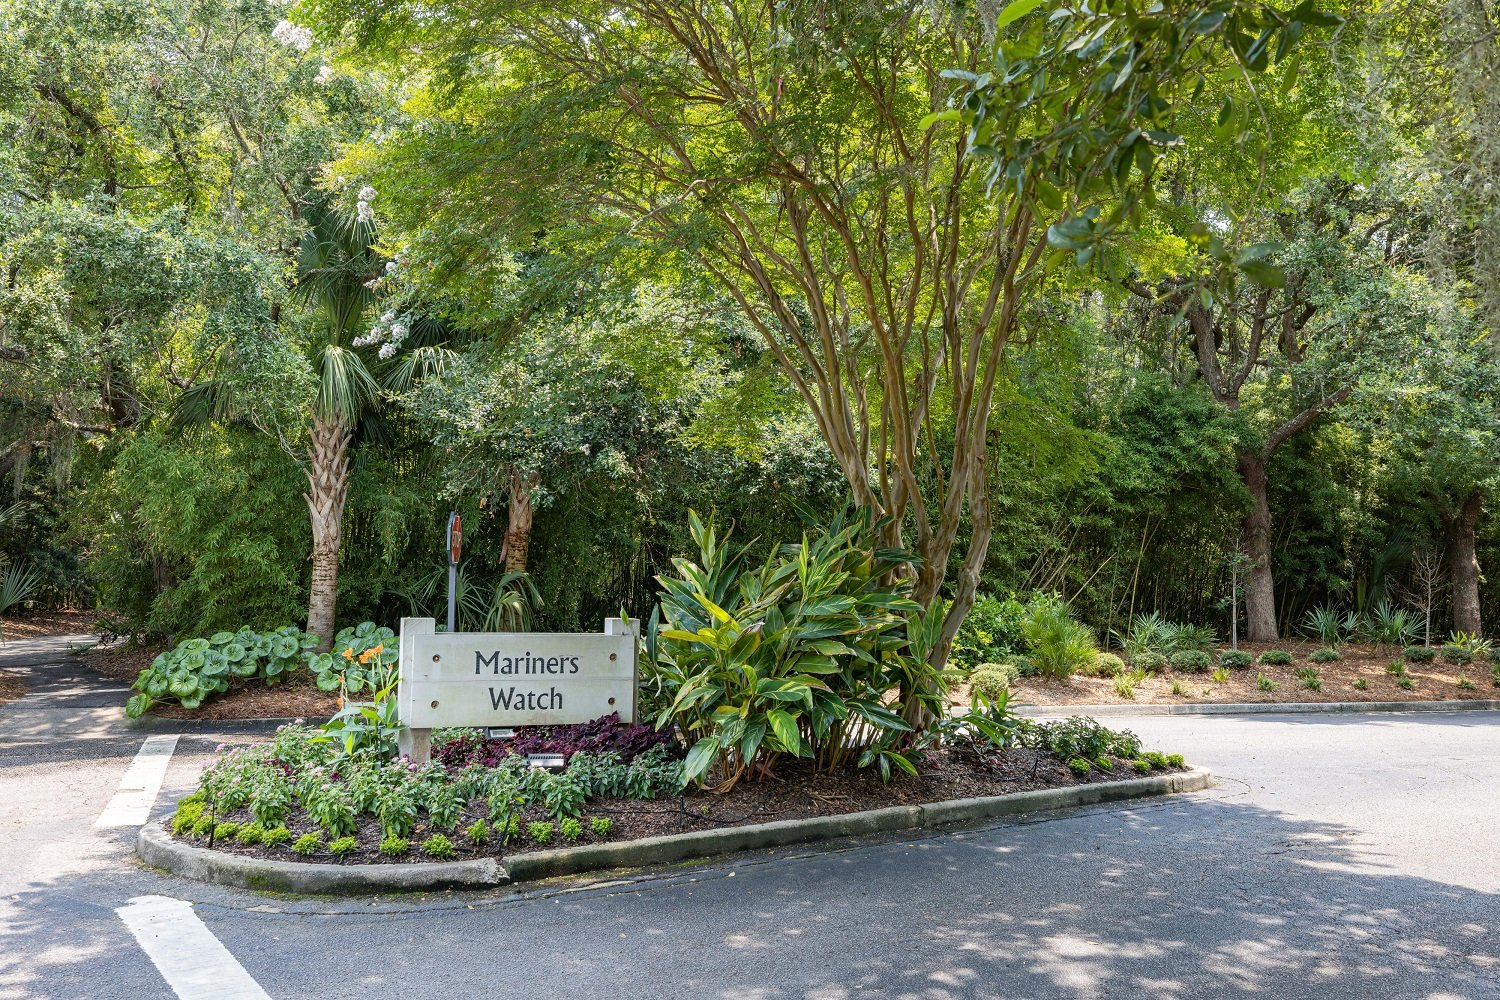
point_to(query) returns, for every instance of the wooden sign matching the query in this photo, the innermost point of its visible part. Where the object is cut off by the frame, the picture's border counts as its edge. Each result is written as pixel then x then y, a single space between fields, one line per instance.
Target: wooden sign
pixel 506 679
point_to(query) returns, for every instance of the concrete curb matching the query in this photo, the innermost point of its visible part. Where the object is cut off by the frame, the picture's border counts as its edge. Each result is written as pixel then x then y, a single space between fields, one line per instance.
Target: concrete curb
pixel 157 849
pixel 1264 708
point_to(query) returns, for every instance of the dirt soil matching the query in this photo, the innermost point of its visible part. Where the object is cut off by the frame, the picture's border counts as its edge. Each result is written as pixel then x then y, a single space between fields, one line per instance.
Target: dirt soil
pixel 63 621
pixel 1436 681
pixel 796 793
pixel 11 687
pixel 296 698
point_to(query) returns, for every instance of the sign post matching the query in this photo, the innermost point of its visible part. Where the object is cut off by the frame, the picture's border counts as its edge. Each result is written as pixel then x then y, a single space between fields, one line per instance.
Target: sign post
pixel 455 546
pixel 506 679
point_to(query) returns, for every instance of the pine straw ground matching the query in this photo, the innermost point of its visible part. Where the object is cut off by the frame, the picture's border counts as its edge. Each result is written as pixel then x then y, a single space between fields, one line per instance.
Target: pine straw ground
pixel 1436 681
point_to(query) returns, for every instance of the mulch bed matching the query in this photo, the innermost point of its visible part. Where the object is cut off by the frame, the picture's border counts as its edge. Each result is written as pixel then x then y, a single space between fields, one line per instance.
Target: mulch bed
pixel 63 621
pixel 1436 681
pixel 796 793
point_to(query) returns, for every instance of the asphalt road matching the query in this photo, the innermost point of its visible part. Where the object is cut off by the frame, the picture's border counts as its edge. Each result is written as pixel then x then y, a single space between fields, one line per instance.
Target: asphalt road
pixel 1340 856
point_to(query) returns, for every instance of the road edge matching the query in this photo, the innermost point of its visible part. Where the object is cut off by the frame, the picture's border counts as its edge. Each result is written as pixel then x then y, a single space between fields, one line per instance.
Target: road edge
pixel 1264 708
pixel 158 850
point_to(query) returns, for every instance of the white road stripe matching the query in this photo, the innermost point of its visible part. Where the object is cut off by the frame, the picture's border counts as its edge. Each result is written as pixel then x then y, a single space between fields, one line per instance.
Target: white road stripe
pixel 131 805
pixel 193 962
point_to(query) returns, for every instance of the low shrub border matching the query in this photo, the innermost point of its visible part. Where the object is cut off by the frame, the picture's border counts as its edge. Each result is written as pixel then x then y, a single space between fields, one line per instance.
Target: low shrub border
pixel 159 850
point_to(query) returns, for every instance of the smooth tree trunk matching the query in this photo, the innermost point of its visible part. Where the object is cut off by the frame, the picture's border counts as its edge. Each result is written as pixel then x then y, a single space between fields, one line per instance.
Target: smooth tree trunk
pixel 327 490
pixel 1463 565
pixel 1260 589
pixel 518 525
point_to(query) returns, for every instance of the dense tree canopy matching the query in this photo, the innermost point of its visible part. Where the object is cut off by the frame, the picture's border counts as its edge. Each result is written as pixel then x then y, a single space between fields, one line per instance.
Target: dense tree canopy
pixel 1106 303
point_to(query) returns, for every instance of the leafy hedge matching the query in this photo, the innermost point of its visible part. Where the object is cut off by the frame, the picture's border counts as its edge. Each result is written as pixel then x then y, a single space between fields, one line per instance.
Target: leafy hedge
pixel 197 669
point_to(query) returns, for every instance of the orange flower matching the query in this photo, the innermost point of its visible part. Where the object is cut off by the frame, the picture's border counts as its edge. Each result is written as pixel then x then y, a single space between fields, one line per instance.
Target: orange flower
pixel 365 656
pixel 341 702
pixel 379 648
pixel 349 654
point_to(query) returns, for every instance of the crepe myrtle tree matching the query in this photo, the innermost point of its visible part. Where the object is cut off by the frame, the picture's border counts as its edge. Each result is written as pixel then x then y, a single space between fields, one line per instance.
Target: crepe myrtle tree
pixel 871 184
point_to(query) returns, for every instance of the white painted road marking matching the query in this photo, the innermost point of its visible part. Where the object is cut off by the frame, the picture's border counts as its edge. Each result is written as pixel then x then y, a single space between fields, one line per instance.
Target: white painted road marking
pixel 193 962
pixel 131 805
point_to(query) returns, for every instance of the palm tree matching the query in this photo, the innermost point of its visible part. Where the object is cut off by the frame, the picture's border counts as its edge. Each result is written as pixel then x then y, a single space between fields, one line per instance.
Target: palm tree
pixel 335 265
pixel 337 268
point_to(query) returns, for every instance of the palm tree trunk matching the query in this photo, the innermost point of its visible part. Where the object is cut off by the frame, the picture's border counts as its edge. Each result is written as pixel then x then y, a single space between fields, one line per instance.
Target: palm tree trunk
pixel 327 491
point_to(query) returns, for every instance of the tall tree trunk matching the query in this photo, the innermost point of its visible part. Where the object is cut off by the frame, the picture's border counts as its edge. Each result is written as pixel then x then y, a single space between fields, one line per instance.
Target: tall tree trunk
pixel 518 526
pixel 327 491
pixel 1463 565
pixel 1260 590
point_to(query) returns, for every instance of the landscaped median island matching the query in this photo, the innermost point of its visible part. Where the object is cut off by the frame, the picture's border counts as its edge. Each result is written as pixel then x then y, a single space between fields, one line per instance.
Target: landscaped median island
pixel 304 797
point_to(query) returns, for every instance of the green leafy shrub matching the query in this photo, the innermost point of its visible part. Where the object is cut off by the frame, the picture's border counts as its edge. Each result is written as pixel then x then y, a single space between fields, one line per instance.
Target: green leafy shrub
pixel 1464 684
pixel 196 669
pixel 1176 760
pixel 991 629
pixel 276 835
pixel 1235 659
pixel 1220 676
pixel 571 829
pixel 1192 661
pixel 1149 661
pixel 186 815
pixel 1405 682
pixel 1265 683
pixel 478 833
pixel 1456 654
pixel 1125 686
pixel 1275 658
pixel 602 826
pixel 343 847
pixel 1325 655
pixel 1077 736
pixel 394 847
pixel 1178 690
pixel 204 826
pixel 1105 665
pixel 1155 759
pixel 1396 668
pixel 993 680
pixel 1388 627
pixel 225 829
pixel 250 833
pixel 1104 763
pixel 1360 683
pixel 308 844
pixel 810 654
pixel 1060 645
pixel 1419 654
pixel 1330 626
pixel 541 833
pixel 1141 766
pixel 361 659
pixel 1310 678
pixel 1079 766
pixel 437 846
